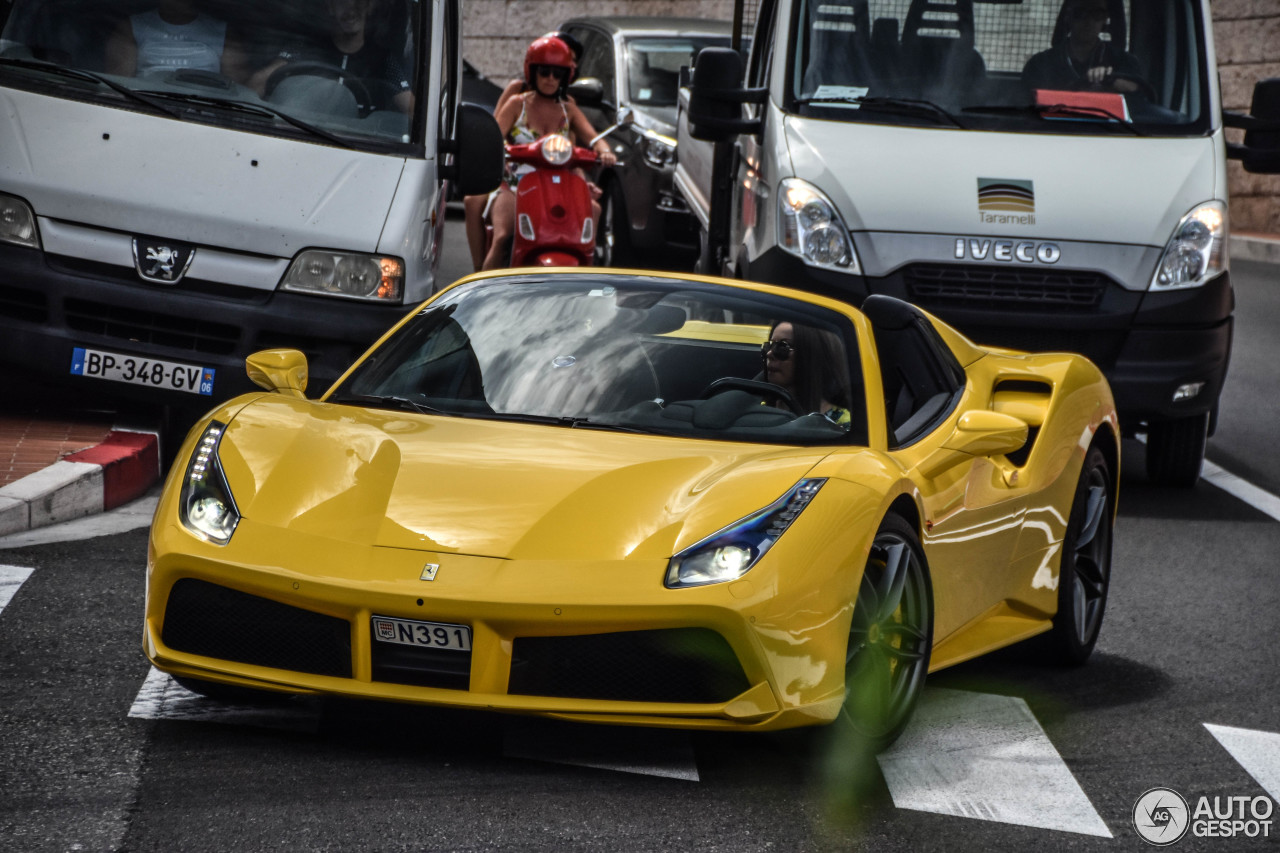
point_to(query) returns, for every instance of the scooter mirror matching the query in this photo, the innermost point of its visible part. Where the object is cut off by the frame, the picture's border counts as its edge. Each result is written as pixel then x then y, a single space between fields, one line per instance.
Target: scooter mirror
pixel 626 117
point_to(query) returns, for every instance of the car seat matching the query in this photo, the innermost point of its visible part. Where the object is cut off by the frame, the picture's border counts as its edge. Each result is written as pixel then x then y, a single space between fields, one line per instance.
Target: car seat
pixel 939 61
pixel 839 46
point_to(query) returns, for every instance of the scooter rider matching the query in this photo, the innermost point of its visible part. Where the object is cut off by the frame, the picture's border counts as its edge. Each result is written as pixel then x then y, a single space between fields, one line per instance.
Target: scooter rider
pixel 545 110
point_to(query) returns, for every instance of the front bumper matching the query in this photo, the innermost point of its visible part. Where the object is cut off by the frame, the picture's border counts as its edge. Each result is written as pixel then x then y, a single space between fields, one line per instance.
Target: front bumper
pixel 1147 344
pixel 712 657
pixel 49 305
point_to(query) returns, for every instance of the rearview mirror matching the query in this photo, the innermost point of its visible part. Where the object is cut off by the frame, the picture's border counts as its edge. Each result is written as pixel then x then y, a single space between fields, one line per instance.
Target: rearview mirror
pixel 477 165
pixel 587 91
pixel 1260 153
pixel 716 96
pixel 280 370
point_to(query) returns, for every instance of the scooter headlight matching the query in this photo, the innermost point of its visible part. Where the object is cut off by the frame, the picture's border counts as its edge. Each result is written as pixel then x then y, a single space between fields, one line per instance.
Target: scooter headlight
pixel 557 150
pixel 1197 250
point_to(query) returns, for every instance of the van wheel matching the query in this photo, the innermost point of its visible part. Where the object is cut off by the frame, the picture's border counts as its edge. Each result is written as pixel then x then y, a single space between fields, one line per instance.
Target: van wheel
pixel 890 639
pixel 1175 450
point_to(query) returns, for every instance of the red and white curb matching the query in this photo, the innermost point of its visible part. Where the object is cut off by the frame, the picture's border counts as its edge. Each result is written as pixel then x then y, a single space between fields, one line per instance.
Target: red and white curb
pixel 123 467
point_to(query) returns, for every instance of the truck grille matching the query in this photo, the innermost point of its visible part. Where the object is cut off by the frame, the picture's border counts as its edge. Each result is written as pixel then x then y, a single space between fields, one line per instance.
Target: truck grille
pixel 693 665
pixel 23 305
pixel 149 327
pixel 203 618
pixel 976 287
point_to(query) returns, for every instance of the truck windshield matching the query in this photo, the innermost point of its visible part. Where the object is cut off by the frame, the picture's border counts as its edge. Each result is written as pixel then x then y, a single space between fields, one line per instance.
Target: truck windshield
pixel 333 71
pixel 1060 66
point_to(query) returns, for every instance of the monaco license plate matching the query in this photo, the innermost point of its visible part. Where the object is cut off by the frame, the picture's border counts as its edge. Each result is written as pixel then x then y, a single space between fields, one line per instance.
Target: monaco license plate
pixel 135 370
pixel 427 635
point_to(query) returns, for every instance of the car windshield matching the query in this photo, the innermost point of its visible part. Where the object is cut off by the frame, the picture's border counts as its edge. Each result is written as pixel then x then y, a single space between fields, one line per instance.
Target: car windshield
pixel 1133 67
pixel 284 67
pixel 638 354
pixel 654 63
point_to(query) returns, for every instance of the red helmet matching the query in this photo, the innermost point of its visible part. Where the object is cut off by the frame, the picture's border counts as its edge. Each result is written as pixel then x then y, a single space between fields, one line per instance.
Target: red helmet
pixel 548 50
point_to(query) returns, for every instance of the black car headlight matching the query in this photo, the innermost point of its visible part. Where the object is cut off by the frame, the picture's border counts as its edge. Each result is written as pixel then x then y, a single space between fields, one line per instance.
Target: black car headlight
pixel 205 505
pixel 730 553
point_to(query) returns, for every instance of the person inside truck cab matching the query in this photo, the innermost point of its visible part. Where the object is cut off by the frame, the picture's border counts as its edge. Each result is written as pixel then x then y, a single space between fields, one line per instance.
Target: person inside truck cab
pixel 175 34
pixel 1081 59
pixel 352 44
pixel 808 363
pixel 474 206
pixel 544 110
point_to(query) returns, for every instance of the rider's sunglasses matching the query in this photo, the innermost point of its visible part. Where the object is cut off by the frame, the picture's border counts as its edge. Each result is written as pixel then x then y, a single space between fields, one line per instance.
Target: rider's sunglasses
pixel 781 350
pixel 557 71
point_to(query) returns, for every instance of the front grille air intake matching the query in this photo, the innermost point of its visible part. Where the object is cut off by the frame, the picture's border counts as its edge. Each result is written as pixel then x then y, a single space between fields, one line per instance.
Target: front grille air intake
pixel 977 286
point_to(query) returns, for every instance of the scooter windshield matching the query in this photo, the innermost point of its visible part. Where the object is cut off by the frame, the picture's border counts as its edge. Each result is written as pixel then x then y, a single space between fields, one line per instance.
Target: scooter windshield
pixel 338 72
pixel 1056 66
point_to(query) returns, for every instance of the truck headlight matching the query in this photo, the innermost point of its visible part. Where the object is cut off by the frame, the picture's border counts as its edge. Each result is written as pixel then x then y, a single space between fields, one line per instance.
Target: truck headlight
pixel 810 227
pixel 205 504
pixel 18 222
pixel 1197 250
pixel 730 553
pixel 348 275
pixel 659 151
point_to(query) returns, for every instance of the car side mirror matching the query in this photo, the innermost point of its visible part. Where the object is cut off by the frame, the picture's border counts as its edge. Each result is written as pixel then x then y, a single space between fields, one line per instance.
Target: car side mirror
pixel 477 166
pixel 716 96
pixel 587 91
pixel 626 117
pixel 280 370
pixel 979 432
pixel 1260 153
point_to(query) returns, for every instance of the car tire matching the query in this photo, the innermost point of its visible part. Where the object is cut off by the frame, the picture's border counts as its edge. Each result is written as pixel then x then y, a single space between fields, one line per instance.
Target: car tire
pixel 1175 450
pixel 1084 574
pixel 613 243
pixel 890 639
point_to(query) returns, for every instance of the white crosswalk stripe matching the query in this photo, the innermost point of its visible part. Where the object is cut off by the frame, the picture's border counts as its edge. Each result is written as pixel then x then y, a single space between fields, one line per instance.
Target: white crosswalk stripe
pixel 1257 752
pixel 162 698
pixel 981 756
pixel 11 577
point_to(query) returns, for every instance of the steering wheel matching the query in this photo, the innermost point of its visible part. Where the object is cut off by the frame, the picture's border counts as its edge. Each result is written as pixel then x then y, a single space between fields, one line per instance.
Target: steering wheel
pixel 320 69
pixel 755 386
pixel 1144 89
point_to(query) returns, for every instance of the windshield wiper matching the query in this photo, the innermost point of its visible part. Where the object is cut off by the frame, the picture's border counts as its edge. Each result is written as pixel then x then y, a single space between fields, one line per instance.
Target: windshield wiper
pixel 250 108
pixel 81 74
pixel 1043 110
pixel 901 106
pixel 388 401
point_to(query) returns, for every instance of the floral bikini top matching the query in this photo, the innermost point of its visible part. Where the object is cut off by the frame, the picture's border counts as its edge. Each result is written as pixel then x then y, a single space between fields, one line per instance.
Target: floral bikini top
pixel 521 134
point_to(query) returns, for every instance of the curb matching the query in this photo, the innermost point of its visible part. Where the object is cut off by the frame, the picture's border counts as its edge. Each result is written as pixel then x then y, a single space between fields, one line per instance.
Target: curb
pixel 123 467
pixel 1248 247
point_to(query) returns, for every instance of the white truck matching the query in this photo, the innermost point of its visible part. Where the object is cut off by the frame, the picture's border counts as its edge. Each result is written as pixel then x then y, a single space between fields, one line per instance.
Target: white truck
pixel 1042 174
pixel 183 185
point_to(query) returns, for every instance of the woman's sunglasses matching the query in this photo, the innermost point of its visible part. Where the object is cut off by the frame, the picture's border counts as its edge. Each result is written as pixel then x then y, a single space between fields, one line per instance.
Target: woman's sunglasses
pixel 557 71
pixel 781 350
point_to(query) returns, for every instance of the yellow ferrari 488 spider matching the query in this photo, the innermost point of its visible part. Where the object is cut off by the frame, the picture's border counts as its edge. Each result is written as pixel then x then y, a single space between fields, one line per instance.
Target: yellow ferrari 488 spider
pixel 643 499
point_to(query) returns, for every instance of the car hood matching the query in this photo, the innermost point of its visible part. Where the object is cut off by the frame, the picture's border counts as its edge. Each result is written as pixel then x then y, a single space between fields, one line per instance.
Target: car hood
pixel 492 488
pixel 206 185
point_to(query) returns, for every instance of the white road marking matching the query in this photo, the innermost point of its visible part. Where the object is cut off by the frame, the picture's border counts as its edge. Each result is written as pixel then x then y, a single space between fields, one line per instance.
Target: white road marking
pixel 11 577
pixel 130 516
pixel 1240 488
pixel 1258 753
pixel 986 757
pixel 650 752
pixel 162 698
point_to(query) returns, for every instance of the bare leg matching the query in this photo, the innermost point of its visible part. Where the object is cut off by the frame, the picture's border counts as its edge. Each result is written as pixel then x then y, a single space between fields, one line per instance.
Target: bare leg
pixel 473 213
pixel 503 215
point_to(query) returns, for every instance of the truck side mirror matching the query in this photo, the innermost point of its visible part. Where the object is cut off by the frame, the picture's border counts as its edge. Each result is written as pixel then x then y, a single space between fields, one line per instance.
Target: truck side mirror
pixel 587 91
pixel 1260 152
pixel 477 166
pixel 716 97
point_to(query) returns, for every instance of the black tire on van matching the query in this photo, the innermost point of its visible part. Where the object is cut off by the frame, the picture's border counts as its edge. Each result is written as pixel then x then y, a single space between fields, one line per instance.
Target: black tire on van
pixel 1175 450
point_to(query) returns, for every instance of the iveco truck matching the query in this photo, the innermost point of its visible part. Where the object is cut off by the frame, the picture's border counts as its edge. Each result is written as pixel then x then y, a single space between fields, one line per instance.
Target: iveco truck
pixel 184 184
pixel 1042 174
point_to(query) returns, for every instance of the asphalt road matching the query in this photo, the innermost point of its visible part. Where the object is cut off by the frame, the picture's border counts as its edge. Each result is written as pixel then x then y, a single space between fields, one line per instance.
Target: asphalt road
pixel 98 754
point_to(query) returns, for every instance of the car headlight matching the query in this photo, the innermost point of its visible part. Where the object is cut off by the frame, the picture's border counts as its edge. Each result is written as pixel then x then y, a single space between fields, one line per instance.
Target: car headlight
pixel 659 151
pixel 556 150
pixel 1197 250
pixel 730 553
pixel 205 504
pixel 18 222
pixel 349 275
pixel 810 227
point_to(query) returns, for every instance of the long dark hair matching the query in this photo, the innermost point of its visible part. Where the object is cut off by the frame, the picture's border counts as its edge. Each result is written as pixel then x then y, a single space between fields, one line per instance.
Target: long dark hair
pixel 821 371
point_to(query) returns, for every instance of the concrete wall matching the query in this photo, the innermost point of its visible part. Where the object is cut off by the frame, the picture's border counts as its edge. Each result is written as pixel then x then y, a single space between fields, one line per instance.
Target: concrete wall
pixel 1246 32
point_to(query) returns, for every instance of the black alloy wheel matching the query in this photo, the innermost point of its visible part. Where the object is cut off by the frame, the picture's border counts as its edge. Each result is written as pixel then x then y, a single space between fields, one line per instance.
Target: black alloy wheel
pixel 890 638
pixel 1085 574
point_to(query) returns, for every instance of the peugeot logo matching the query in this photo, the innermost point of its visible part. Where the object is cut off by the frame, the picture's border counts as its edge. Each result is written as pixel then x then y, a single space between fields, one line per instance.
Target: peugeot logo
pixel 161 261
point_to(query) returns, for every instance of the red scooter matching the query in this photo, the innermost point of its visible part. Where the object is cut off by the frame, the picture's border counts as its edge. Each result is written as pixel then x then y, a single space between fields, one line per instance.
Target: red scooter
pixel 554 226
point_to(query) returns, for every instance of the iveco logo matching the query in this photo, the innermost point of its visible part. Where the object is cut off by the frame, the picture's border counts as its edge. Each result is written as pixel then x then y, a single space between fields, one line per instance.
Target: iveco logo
pixel 1026 251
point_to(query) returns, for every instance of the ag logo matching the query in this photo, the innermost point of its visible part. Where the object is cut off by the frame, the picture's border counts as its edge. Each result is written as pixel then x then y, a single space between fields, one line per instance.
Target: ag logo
pixel 1161 816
